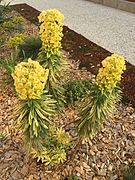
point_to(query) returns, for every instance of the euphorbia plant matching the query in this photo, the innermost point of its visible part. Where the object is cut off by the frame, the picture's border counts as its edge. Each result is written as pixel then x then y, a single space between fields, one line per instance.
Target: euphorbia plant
pixel 50 54
pixel 34 114
pixel 56 144
pixel 15 41
pixel 13 25
pixel 34 107
pixel 102 97
pixel 51 34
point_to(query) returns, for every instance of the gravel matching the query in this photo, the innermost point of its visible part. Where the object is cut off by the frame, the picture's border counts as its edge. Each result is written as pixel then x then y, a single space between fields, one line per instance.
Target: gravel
pixel 110 28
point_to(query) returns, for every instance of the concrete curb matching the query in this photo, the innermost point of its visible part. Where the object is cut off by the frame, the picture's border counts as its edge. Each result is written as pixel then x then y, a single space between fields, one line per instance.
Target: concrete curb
pixel 118 4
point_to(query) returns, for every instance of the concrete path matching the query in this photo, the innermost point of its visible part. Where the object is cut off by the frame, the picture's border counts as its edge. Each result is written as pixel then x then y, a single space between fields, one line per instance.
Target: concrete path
pixel 110 28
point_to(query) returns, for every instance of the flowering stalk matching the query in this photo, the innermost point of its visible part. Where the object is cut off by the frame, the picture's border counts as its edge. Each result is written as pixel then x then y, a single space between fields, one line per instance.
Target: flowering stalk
pixel 51 34
pixel 34 108
pixel 50 56
pixel 96 107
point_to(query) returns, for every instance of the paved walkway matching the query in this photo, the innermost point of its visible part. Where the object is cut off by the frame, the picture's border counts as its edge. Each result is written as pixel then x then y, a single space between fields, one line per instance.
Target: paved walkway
pixel 110 28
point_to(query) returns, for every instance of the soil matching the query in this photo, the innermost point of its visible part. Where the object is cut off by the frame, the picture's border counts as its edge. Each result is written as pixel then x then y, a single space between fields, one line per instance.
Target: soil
pixel 84 51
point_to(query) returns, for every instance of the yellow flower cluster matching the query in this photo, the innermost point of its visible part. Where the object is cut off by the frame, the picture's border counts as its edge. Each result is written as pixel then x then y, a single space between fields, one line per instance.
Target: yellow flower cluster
pixel 51 30
pixel 16 40
pixel 41 155
pixel 2 39
pixel 8 24
pixel 29 79
pixel 53 156
pixel 62 136
pixel 18 20
pixel 110 74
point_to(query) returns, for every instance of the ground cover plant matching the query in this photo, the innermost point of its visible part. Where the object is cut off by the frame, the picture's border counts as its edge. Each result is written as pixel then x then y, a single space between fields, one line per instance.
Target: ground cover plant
pixel 40 85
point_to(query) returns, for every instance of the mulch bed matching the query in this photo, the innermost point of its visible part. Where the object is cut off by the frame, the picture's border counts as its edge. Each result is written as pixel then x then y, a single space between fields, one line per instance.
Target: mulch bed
pixel 131 0
pixel 87 53
pixel 105 157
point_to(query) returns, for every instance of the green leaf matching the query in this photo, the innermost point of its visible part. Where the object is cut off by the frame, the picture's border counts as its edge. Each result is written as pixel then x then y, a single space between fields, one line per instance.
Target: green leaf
pixel 40 114
pixel 22 115
pixel 30 118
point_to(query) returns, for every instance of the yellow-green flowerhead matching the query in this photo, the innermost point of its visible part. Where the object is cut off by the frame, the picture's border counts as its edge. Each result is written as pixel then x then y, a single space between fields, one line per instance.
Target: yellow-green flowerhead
pixel 41 155
pixel 110 74
pixel 18 20
pixel 8 24
pixel 29 79
pixel 55 155
pixel 16 40
pixel 51 30
pixel 2 39
pixel 62 136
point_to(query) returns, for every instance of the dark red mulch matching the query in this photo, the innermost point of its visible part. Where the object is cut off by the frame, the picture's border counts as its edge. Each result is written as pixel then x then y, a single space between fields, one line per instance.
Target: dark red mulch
pixel 86 52
pixel 131 0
